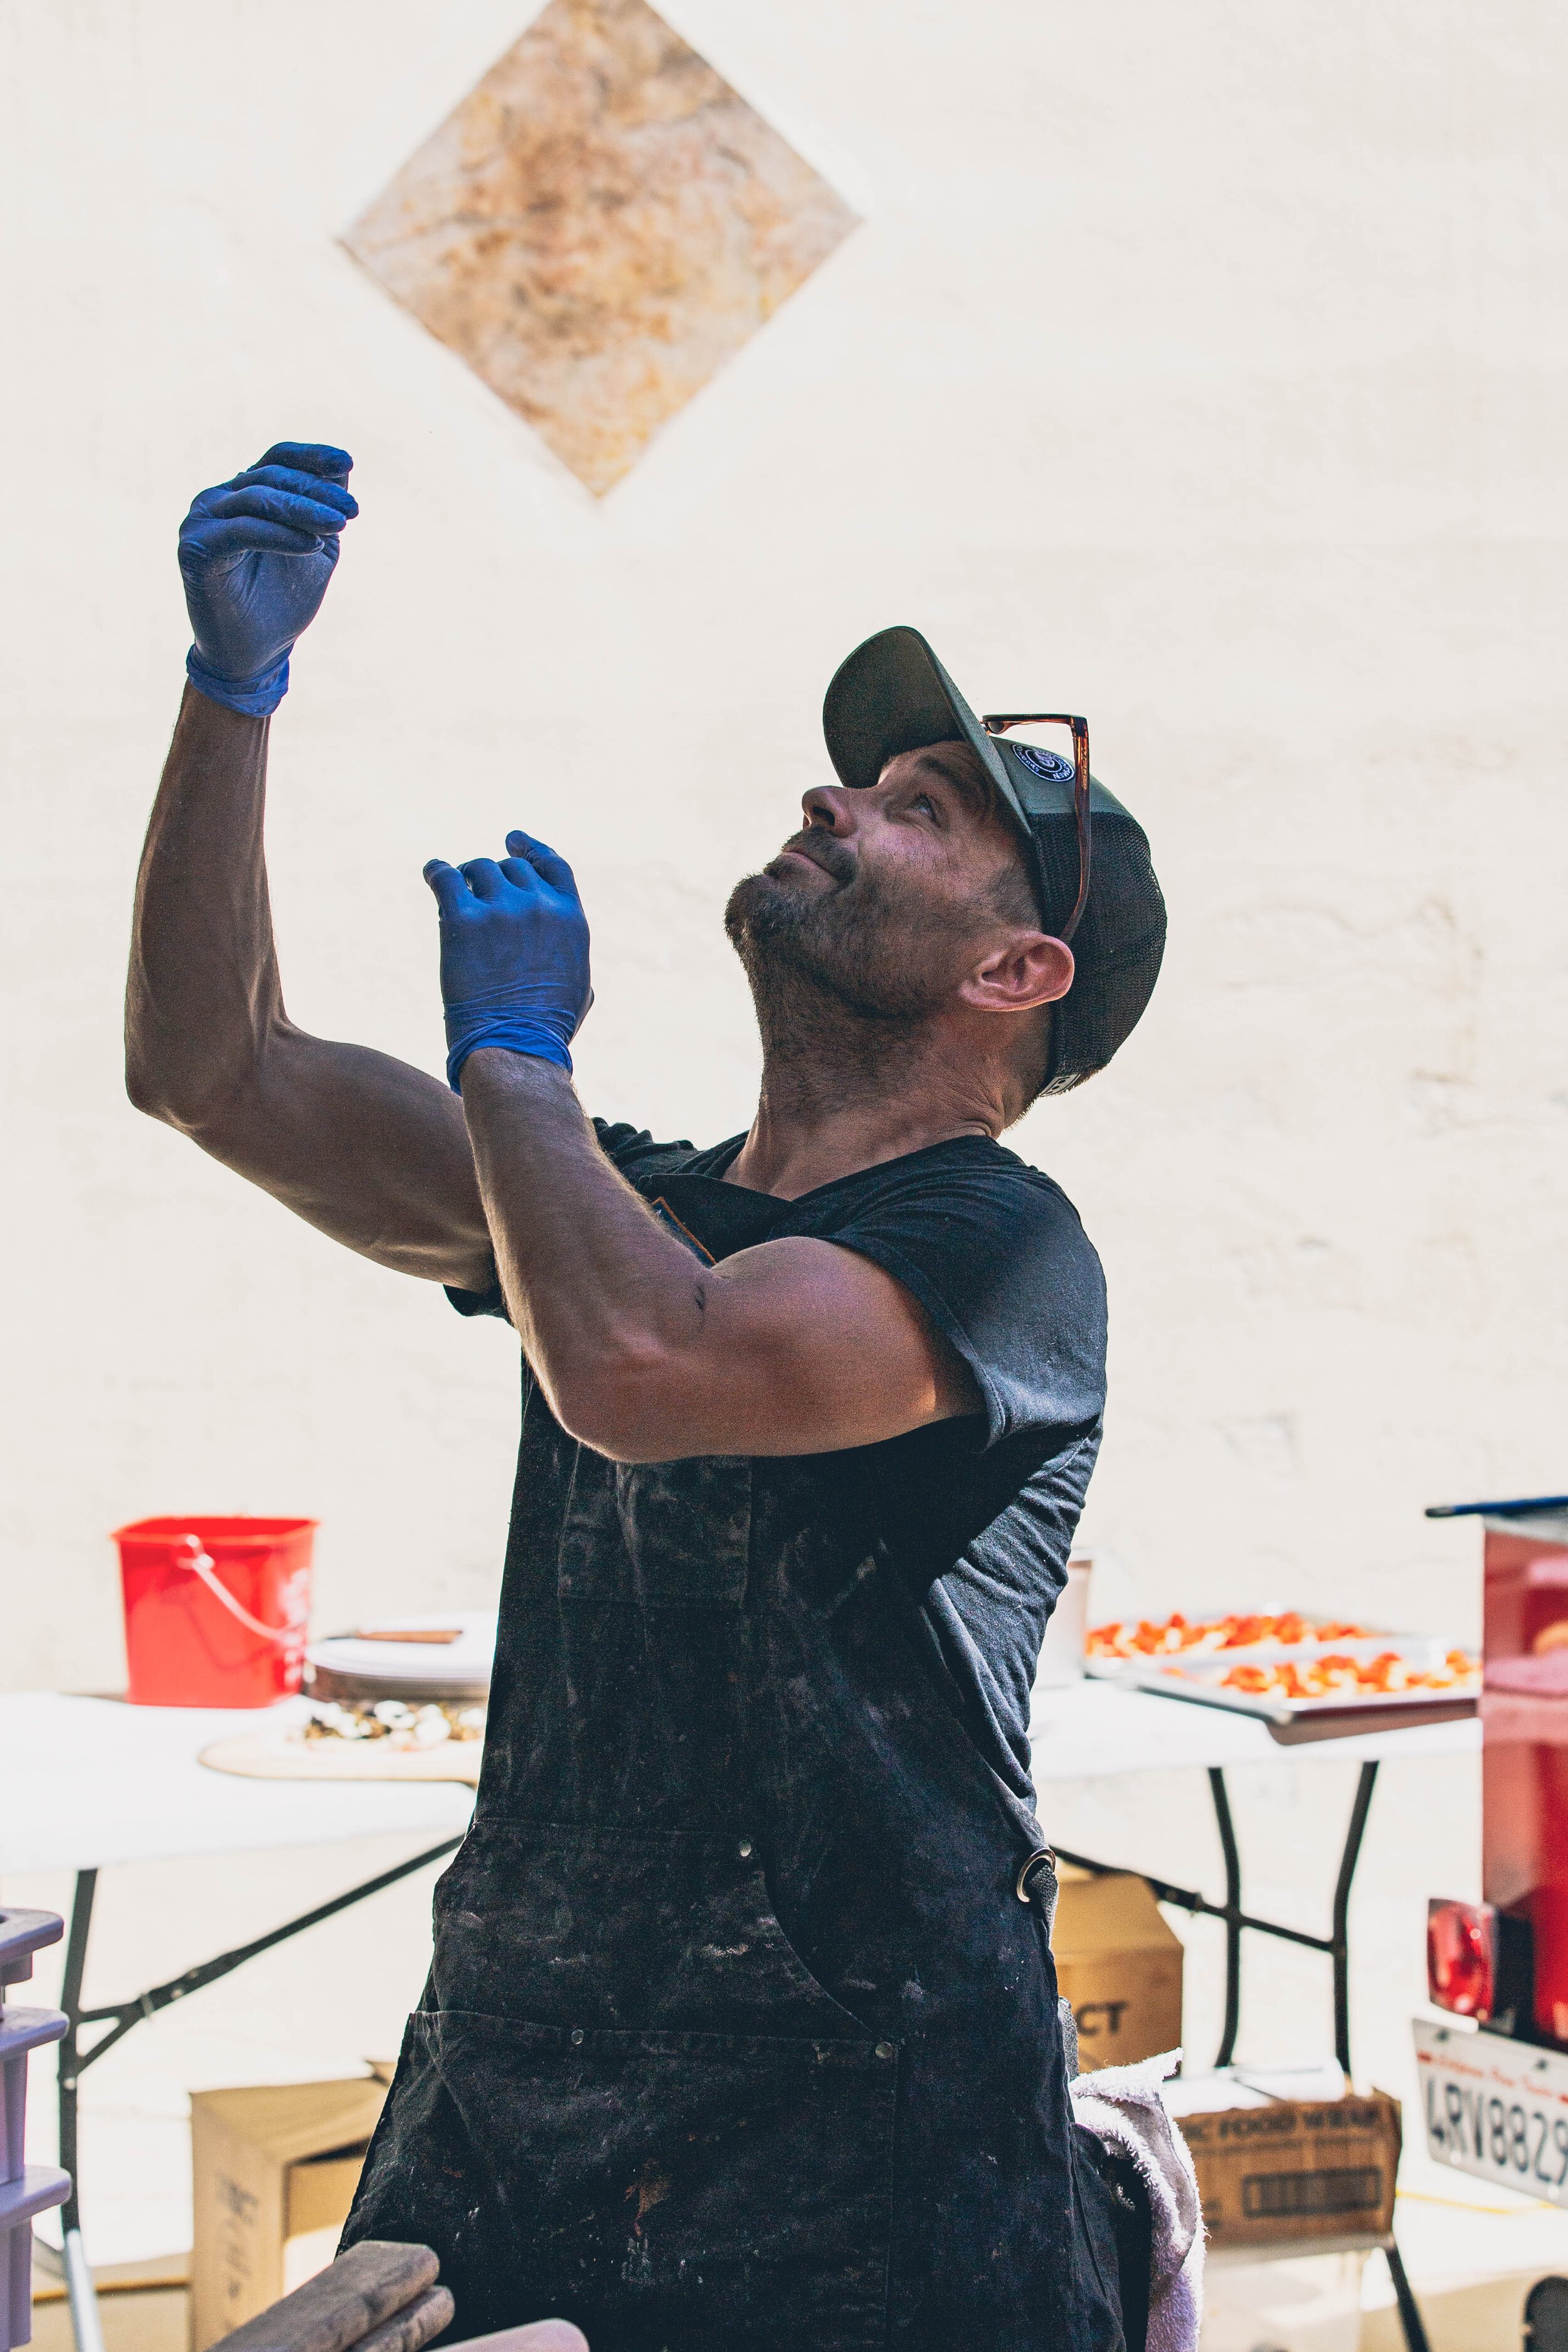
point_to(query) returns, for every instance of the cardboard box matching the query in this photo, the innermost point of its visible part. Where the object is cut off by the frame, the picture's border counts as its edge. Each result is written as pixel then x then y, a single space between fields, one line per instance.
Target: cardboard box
pixel 1119 1965
pixel 1288 2170
pixel 274 2173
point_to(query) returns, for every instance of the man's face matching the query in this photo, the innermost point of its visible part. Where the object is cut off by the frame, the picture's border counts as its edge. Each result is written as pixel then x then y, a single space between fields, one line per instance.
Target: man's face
pixel 886 897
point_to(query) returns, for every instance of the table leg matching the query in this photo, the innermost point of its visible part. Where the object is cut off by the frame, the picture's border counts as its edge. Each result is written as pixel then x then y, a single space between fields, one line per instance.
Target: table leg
pixel 1336 1943
pixel 1232 1915
pixel 86 2322
pixel 1410 2318
pixel 1339 1944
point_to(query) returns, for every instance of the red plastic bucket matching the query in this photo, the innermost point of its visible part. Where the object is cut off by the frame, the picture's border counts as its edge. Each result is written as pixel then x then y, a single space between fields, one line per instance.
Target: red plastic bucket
pixel 215 1610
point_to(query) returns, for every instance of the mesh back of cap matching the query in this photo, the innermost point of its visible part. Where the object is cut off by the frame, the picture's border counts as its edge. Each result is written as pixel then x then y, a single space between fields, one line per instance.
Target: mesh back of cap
pixel 1116 946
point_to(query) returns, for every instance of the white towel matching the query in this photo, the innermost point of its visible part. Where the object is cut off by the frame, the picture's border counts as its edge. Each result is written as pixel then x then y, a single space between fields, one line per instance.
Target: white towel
pixel 1125 2107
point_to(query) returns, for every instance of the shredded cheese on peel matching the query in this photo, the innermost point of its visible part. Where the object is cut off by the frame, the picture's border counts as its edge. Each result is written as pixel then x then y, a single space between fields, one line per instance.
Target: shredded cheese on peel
pixel 393 1720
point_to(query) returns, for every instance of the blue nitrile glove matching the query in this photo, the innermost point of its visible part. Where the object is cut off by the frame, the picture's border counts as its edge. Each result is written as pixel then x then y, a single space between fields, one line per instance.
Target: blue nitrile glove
pixel 255 555
pixel 514 954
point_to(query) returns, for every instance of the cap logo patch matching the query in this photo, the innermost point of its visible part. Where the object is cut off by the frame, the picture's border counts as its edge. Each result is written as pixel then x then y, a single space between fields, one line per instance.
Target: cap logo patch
pixel 1050 764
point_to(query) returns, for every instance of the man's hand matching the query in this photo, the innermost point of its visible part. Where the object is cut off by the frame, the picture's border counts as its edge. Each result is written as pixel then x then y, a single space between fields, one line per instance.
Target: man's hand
pixel 514 954
pixel 255 554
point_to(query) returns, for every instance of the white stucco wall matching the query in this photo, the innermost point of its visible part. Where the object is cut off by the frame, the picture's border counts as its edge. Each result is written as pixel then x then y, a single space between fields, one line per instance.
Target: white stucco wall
pixel 1198 369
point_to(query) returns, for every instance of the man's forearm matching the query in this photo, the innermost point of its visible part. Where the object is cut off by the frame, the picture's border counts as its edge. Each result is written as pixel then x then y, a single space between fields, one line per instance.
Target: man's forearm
pixel 363 1146
pixel 202 987
pixel 600 1294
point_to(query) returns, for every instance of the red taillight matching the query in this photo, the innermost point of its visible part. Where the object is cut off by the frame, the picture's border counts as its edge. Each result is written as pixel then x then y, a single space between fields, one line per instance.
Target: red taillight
pixel 1461 1958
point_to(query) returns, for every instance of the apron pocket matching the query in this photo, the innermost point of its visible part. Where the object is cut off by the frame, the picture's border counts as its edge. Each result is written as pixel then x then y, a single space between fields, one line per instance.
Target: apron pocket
pixel 657 1534
pixel 721 2192
pixel 566 1924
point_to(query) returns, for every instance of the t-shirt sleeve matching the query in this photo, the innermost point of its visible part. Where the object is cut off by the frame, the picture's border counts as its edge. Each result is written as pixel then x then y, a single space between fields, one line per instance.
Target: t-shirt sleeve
pixel 630 1148
pixel 633 1151
pixel 1000 1263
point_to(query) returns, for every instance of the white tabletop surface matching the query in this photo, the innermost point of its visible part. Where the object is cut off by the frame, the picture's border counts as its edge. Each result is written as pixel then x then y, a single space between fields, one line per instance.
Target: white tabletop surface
pixel 1086 1730
pixel 85 1782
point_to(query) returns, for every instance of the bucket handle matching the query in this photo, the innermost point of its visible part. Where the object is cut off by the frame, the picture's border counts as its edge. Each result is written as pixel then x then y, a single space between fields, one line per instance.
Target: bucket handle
pixel 201 1563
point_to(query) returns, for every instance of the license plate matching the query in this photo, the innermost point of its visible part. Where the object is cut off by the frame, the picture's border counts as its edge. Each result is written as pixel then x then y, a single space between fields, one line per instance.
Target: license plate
pixel 1496 2108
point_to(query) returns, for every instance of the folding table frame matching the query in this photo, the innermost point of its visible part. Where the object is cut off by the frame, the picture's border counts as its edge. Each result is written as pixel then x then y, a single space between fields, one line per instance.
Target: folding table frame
pixel 119 2017
pixel 1336 1943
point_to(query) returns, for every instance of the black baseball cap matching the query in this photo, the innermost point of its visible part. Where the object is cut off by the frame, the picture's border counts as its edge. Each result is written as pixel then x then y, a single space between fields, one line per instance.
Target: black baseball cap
pixel 892 695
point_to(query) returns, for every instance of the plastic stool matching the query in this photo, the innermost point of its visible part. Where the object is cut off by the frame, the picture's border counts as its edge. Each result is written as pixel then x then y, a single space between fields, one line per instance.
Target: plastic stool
pixel 26 2190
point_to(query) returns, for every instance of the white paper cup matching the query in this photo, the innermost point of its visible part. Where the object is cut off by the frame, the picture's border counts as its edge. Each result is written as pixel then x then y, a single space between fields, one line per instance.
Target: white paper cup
pixel 1061 1651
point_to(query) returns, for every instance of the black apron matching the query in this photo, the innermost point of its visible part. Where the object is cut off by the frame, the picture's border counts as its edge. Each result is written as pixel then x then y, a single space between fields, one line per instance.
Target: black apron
pixel 737 2037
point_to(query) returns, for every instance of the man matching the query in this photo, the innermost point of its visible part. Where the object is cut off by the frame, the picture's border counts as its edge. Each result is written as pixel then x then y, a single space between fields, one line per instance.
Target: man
pixel 742 2025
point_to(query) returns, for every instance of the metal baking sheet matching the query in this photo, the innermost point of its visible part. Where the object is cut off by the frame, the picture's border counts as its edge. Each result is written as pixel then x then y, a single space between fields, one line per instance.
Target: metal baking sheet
pixel 1200 1681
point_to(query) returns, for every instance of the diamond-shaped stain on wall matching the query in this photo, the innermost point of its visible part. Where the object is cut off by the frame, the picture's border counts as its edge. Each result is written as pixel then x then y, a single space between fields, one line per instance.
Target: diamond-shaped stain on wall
pixel 597 227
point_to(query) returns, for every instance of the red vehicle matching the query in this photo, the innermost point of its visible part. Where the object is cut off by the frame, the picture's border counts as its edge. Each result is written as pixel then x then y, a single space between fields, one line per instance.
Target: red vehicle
pixel 1504 1961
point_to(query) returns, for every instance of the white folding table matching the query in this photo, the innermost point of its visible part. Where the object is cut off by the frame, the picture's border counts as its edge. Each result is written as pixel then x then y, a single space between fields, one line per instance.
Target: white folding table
pixel 91 1782
pixel 1091 1729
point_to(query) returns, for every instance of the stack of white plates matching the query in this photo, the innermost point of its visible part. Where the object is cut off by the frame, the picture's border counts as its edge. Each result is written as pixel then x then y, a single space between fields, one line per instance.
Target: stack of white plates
pixel 447 1656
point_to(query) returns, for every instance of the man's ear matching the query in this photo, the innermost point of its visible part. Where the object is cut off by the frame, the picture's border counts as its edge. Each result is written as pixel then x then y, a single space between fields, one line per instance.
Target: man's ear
pixel 1029 969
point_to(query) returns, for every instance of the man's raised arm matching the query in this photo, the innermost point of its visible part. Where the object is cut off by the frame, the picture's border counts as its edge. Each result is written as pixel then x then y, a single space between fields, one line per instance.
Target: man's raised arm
pixel 370 1150
pixel 795 1347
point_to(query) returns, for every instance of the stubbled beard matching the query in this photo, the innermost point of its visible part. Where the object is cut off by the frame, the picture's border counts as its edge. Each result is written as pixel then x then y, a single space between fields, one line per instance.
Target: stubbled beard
pixel 844 978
